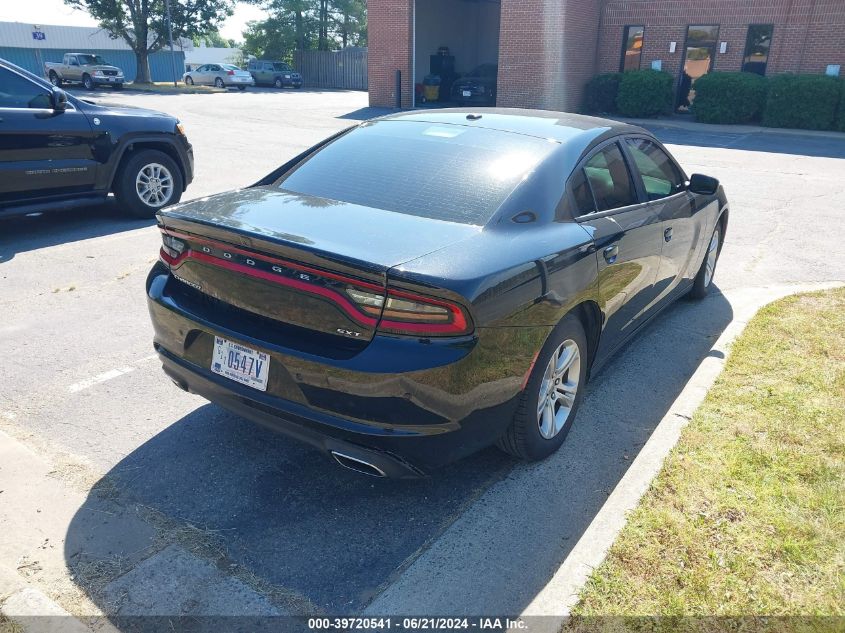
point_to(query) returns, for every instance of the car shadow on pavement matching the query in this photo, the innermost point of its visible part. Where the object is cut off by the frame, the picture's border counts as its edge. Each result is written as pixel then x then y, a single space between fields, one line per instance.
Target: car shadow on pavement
pixel 288 515
pixel 22 234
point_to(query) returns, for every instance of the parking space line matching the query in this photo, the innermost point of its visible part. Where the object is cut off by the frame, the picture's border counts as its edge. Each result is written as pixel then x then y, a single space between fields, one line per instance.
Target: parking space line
pixel 99 378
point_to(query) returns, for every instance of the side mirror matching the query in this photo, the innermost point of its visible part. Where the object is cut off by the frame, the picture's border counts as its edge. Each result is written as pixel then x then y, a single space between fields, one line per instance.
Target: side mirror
pixel 706 185
pixel 58 99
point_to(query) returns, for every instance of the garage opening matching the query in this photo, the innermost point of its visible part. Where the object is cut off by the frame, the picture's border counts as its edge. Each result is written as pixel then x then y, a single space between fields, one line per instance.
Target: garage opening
pixel 456 52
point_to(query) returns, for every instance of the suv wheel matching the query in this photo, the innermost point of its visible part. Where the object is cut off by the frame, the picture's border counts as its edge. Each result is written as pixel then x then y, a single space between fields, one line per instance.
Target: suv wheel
pixel 278 83
pixel 87 82
pixel 55 79
pixel 149 180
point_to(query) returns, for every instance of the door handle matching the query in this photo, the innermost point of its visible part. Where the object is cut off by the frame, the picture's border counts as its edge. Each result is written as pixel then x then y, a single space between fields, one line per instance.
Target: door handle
pixel 610 253
pixel 667 234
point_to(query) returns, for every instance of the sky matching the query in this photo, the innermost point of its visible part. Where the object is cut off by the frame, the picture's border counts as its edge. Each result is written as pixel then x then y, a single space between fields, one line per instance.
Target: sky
pixel 57 12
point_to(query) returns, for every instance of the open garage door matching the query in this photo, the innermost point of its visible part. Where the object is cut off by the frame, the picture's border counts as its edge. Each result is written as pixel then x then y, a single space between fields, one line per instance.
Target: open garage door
pixel 456 52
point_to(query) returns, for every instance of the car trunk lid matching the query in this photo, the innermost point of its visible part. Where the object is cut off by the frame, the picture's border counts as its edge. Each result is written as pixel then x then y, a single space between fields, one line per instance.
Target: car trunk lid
pixel 297 260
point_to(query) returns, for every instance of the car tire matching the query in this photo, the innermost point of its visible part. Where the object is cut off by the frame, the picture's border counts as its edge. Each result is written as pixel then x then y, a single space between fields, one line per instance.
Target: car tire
pixel 219 83
pixel 549 403
pixel 55 79
pixel 132 188
pixel 87 82
pixel 278 83
pixel 704 277
pixel 241 88
pixel 189 81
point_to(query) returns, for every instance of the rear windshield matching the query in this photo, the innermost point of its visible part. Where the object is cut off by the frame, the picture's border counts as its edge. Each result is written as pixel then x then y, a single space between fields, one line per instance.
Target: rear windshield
pixel 447 172
pixel 230 67
pixel 281 66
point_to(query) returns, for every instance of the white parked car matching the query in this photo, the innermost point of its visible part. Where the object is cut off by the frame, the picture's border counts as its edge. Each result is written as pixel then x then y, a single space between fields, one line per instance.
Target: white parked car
pixel 220 75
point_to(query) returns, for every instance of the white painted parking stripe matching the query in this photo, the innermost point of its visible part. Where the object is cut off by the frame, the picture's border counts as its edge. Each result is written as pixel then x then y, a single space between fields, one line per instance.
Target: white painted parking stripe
pixel 99 378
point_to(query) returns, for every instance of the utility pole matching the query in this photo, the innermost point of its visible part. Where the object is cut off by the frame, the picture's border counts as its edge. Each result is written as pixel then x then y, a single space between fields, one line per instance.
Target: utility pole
pixel 170 37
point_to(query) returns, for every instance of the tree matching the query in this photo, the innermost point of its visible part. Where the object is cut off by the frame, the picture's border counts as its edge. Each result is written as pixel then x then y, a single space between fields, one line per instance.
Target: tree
pixel 305 25
pixel 213 39
pixel 143 25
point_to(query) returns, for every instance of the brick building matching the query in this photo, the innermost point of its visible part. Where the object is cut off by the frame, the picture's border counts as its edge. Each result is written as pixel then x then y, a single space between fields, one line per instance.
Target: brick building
pixel 548 49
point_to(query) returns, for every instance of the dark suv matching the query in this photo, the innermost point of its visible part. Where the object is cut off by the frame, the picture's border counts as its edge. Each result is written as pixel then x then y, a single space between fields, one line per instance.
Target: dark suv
pixel 57 151
pixel 278 74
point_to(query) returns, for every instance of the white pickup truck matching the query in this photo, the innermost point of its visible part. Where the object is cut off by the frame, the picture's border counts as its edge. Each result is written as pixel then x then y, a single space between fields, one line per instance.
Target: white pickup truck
pixel 84 68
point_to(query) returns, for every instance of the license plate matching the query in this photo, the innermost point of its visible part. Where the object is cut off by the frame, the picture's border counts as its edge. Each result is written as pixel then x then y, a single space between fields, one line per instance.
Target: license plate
pixel 467 93
pixel 241 364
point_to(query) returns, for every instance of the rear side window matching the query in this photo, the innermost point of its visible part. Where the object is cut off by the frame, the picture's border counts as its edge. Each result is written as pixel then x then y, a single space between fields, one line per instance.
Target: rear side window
pixel 584 202
pixel 447 172
pixel 659 174
pixel 609 179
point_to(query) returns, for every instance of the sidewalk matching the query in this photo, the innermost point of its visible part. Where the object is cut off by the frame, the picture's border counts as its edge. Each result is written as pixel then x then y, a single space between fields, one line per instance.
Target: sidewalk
pixel 683 122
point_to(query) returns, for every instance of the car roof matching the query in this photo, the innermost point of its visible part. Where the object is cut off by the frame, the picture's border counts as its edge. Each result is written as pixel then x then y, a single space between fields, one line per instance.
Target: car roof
pixel 563 127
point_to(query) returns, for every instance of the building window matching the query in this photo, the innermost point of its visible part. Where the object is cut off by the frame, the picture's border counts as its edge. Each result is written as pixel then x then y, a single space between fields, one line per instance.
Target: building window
pixel 632 48
pixel 757 44
pixel 700 51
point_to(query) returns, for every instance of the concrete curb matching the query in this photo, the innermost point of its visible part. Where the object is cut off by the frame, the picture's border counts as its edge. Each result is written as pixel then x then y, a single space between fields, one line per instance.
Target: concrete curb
pixel 33 611
pixel 713 128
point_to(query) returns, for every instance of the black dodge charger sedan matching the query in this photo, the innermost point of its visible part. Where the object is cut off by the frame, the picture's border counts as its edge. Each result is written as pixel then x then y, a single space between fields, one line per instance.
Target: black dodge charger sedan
pixel 426 284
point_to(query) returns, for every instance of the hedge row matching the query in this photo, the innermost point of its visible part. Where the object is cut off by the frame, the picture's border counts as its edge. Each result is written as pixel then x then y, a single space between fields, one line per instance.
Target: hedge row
pixel 637 93
pixel 813 102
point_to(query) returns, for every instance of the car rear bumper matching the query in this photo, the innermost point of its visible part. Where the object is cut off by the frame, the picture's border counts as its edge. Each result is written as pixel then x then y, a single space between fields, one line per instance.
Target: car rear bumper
pixel 405 406
pixel 232 83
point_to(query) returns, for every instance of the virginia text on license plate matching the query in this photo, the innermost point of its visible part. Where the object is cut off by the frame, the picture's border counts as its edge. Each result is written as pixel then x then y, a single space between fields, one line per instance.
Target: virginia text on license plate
pixel 239 363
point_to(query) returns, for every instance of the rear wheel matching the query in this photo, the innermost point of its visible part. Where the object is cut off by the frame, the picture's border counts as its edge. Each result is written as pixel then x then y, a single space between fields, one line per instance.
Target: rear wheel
pixel 278 83
pixel 219 83
pixel 241 88
pixel 149 180
pixel 704 278
pixel 55 79
pixel 554 390
pixel 189 81
pixel 87 82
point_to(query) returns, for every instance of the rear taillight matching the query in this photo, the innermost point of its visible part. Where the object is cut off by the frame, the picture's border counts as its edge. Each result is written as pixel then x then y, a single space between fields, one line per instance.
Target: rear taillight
pixel 230 72
pixel 411 314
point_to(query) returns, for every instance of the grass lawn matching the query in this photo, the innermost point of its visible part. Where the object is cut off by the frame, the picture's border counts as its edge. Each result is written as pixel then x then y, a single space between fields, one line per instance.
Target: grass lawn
pixel 747 516
pixel 167 87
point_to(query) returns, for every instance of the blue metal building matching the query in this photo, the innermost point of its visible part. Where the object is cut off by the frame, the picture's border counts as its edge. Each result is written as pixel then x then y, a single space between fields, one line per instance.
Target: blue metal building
pixel 31 45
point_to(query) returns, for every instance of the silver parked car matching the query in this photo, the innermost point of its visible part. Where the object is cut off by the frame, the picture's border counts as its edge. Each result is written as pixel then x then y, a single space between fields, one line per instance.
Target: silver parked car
pixel 220 75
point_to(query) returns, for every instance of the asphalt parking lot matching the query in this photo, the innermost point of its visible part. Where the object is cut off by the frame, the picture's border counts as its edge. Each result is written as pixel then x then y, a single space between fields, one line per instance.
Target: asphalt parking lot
pixel 80 383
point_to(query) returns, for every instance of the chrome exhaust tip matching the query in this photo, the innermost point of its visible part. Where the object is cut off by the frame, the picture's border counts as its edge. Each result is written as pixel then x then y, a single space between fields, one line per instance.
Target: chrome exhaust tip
pixel 358 465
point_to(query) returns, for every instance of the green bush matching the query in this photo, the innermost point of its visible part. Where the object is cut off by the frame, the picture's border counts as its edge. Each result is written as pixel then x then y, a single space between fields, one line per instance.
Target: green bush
pixel 600 93
pixel 645 93
pixel 729 97
pixel 842 107
pixel 802 101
